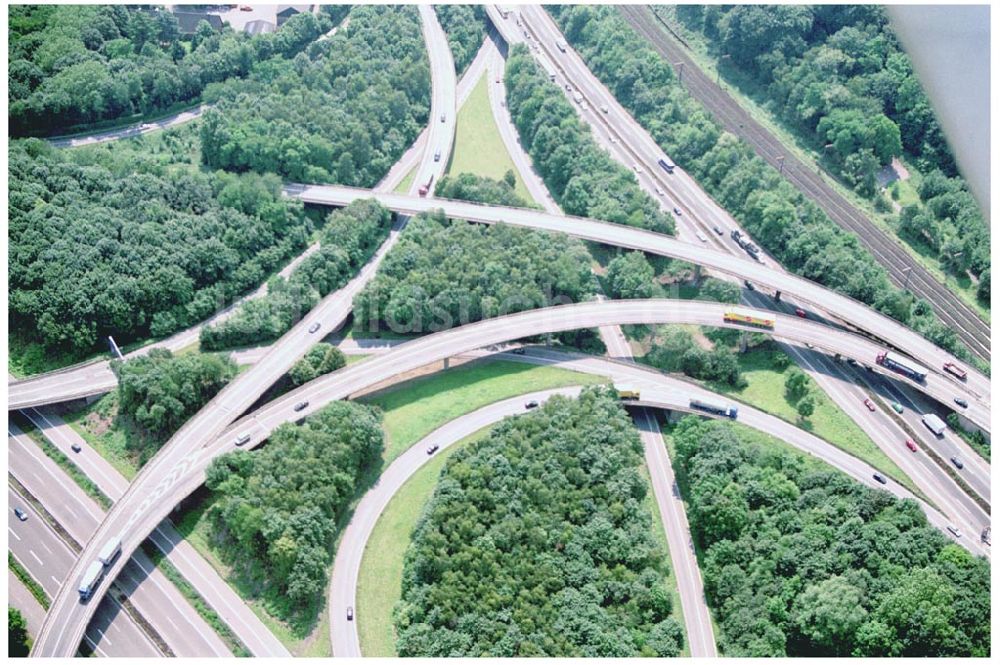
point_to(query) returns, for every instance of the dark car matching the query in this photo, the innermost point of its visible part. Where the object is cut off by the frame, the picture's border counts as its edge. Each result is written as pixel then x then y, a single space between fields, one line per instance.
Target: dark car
pixel 749 285
pixel 75 447
pixel 869 404
pixel 801 313
pixel 313 328
pixel 432 449
pixel 879 477
pixel 301 405
pixel 350 614
pixel 912 446
pixel 531 405
pixel 21 515
pixel 677 211
pixel 519 351
pixel 962 402
pixel 957 462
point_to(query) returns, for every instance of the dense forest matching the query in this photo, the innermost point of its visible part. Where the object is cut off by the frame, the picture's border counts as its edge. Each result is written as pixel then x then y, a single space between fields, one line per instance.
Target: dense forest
pixel 800 560
pixel 276 508
pixel 159 391
pixel 582 177
pixel 465 26
pixel 444 273
pixel 343 110
pixel 480 189
pixel 838 75
pixel 780 218
pixel 78 64
pixel 536 543
pixel 114 242
pixel 350 237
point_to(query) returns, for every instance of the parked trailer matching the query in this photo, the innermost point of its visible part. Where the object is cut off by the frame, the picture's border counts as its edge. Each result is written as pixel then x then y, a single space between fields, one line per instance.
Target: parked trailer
pixel 717 407
pixel 667 165
pixel 933 423
pixel 748 317
pixel 91 580
pixel 905 366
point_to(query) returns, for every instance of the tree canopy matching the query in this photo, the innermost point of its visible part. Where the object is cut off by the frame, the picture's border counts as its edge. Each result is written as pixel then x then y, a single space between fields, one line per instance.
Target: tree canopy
pixel 72 65
pixel 277 507
pixel 343 110
pixel 800 560
pixel 444 273
pixel 536 543
pixel 838 75
pixel 348 239
pixel 158 391
pixel 481 189
pixel 582 177
pixel 465 26
pixel 17 634
pixel 121 242
pixel 321 359
pixel 791 227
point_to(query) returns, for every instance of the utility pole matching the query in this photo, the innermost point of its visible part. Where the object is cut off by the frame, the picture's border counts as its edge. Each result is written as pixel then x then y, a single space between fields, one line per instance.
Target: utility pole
pixel 906 282
pixel 718 69
pixel 781 164
pixel 680 71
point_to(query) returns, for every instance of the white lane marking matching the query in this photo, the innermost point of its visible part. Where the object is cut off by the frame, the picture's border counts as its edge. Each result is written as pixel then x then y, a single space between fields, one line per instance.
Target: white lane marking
pixel 55 579
pixel 103 636
pixel 32 553
pixel 11 532
pixel 42 543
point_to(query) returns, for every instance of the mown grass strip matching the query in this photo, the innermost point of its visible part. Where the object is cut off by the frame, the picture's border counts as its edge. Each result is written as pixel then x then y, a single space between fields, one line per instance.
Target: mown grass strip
pixel 22 574
pixel 57 456
pixel 205 611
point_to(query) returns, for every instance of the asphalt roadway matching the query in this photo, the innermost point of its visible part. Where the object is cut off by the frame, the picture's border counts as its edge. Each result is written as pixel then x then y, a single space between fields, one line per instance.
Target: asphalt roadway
pixel 976 388
pixel 887 250
pixel 156 598
pixel 657 391
pixel 112 632
pixel 171 468
pixel 216 592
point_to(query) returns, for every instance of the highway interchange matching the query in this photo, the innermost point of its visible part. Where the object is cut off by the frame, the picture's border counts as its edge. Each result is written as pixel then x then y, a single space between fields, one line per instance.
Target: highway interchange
pixel 178 469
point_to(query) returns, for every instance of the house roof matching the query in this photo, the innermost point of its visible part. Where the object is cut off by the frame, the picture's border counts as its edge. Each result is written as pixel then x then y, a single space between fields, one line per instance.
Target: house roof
pixel 258 27
pixel 188 21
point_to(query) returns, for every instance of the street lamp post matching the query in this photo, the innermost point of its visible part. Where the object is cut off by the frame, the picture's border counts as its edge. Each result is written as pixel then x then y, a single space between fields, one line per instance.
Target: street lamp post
pixel 680 71
pixel 781 164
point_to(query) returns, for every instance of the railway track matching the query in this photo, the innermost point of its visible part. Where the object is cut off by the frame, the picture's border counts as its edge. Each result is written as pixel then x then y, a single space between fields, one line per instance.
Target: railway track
pixel 970 329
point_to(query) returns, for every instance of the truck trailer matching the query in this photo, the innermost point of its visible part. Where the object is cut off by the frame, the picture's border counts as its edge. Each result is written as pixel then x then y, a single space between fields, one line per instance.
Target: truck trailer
pixel 933 423
pixel 904 366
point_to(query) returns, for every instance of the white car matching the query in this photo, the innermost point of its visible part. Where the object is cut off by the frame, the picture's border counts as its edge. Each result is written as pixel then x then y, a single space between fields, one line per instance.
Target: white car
pixel 659 191
pixel 637 169
pixel 701 236
pixel 604 108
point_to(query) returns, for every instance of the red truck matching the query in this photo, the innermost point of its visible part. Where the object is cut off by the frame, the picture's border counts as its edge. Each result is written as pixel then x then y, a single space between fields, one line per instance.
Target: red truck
pixel 955 371
pixel 426 187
